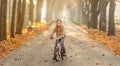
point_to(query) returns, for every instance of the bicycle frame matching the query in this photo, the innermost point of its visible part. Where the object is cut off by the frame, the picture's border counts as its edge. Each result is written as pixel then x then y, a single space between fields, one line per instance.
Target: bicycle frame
pixel 59 51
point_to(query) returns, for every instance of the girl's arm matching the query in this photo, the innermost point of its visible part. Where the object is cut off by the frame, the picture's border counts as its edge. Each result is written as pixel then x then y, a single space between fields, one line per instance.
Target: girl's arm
pixel 51 35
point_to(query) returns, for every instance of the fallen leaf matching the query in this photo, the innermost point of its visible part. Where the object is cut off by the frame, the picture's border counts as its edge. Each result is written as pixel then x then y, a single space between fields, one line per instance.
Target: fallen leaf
pixel 71 56
pixel 110 64
pixel 93 46
pixel 97 63
pixel 45 61
pixel 15 59
pixel 103 54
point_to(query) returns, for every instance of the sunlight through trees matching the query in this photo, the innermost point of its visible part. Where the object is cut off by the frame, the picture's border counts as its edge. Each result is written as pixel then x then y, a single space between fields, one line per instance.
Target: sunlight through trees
pixel 17 15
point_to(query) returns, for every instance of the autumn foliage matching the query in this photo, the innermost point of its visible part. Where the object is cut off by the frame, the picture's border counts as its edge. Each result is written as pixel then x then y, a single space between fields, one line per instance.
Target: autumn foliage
pixel 111 42
pixel 11 44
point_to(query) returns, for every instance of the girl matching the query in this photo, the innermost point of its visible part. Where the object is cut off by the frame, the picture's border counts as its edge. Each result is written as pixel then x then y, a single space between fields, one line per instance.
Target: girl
pixel 60 34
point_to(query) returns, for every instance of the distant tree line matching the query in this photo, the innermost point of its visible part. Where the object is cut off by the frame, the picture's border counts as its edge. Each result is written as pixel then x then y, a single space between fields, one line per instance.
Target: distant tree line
pixel 94 15
pixel 19 9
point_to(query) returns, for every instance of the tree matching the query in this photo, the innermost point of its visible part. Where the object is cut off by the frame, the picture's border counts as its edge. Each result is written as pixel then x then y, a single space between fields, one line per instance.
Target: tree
pixel 86 12
pixel 102 23
pixel 31 9
pixel 94 14
pixel 21 14
pixel 18 17
pixel 3 23
pixel 49 10
pixel 5 20
pixel 111 29
pixel 13 18
pixel 38 10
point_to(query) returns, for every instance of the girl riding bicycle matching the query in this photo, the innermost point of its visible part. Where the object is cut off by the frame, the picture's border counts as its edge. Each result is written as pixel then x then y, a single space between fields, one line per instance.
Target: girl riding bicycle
pixel 60 34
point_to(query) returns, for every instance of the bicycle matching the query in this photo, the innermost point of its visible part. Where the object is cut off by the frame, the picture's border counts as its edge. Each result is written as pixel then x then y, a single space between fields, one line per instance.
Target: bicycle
pixel 58 50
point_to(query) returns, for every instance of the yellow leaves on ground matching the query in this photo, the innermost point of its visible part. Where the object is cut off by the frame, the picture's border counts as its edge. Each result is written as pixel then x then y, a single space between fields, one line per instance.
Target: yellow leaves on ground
pixel 12 44
pixel 41 25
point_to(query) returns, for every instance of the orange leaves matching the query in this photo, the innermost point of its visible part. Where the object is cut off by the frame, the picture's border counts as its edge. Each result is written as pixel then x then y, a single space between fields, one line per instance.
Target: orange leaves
pixel 12 44
pixel 112 42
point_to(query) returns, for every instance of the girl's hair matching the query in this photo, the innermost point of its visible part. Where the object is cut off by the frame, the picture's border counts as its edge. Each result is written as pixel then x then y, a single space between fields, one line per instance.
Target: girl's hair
pixel 59 20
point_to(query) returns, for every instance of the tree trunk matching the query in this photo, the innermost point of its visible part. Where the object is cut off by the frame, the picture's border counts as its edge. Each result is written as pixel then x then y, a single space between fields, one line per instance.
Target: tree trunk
pixel 111 29
pixel 84 12
pixel 21 14
pixel 5 20
pixel 18 17
pixel 13 18
pixel 102 23
pixel 39 10
pixel 87 13
pixel 31 9
pixel 1 22
pixel 94 14
pixel 3 17
pixel 49 10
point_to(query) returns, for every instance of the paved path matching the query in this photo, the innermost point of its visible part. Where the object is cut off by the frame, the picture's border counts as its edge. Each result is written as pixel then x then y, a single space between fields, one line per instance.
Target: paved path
pixel 81 51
